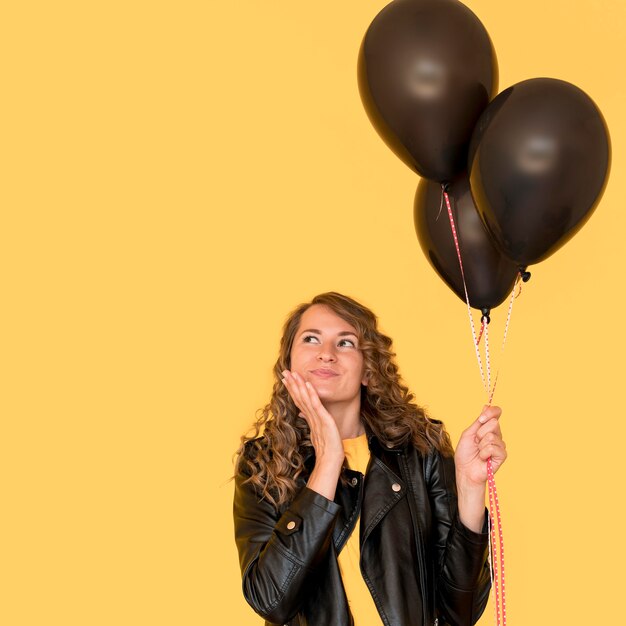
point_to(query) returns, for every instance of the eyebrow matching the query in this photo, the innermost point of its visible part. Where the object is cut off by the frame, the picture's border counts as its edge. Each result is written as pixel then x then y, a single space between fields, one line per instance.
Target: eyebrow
pixel 319 332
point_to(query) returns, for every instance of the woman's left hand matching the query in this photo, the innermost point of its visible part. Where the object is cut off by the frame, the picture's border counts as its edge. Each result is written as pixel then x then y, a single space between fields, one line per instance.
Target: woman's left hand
pixel 478 442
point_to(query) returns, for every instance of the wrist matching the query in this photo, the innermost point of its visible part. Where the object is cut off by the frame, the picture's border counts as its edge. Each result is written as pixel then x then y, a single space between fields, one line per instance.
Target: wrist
pixel 330 461
pixel 471 505
pixel 469 486
pixel 324 477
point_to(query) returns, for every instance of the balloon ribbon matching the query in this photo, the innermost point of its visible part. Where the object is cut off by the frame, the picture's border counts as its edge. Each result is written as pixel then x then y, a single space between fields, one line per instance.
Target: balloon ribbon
pixel 497 576
pixel 482 330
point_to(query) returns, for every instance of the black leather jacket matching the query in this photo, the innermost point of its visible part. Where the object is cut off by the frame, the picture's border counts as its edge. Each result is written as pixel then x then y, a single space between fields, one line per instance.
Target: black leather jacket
pixel 421 564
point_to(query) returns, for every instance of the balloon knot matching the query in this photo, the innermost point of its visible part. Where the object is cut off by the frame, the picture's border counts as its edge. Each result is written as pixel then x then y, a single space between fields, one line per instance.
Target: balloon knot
pixel 445 187
pixel 524 274
pixel 486 311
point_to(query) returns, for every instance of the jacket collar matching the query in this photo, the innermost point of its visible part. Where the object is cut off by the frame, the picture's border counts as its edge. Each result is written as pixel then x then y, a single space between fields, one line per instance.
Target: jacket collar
pixel 374 444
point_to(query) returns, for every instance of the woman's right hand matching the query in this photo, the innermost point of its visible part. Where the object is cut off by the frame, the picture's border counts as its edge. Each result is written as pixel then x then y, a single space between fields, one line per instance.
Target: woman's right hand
pixel 325 436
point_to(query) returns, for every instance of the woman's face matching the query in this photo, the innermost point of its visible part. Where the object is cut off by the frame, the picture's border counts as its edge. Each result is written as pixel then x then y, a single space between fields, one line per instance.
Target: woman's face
pixel 326 352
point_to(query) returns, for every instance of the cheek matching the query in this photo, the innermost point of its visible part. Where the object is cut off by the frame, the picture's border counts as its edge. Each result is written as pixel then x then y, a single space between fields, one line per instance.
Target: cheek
pixel 297 358
pixel 357 367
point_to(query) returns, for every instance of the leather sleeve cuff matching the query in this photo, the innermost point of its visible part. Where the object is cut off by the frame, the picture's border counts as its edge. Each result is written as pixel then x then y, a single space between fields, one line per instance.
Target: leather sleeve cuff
pixel 470 535
pixel 304 530
pixel 466 554
pixel 308 496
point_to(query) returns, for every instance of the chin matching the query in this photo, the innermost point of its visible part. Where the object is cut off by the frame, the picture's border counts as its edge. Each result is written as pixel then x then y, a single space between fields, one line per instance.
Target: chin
pixel 325 395
pixel 328 397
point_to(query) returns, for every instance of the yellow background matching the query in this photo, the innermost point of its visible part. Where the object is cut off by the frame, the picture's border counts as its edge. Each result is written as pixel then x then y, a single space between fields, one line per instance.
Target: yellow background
pixel 176 177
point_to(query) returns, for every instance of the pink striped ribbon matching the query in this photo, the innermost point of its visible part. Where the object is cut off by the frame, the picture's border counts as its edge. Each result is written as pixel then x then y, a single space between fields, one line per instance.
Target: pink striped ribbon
pixel 497 576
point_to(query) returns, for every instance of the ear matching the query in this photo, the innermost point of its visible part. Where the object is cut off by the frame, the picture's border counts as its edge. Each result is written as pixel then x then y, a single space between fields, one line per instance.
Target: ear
pixel 365 379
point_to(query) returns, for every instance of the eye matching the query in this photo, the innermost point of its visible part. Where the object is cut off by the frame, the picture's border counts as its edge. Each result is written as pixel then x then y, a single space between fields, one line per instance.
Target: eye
pixel 306 338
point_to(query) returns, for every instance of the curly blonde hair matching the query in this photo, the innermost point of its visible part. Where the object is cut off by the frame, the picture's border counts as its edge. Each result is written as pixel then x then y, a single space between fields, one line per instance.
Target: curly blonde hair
pixel 274 460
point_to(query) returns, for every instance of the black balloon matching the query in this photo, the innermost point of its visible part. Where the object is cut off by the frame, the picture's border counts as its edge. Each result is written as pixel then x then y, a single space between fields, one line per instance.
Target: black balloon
pixel 426 71
pixel 489 275
pixel 539 161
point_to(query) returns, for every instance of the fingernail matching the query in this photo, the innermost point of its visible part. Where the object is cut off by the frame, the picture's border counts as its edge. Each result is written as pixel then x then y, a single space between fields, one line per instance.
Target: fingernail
pixel 295 375
pixel 284 381
pixel 482 419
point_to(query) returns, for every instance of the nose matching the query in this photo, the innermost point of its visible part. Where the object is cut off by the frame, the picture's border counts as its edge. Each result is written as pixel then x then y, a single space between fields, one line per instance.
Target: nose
pixel 326 353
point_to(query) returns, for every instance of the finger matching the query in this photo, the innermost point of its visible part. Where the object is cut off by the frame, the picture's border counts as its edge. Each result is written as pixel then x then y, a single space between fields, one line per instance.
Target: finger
pixel 289 385
pixel 491 426
pixel 491 438
pixel 473 428
pixel 305 389
pixel 493 451
pixel 490 416
pixel 496 463
pixel 316 403
pixel 293 389
pixel 492 412
pixel 326 420
pixel 323 417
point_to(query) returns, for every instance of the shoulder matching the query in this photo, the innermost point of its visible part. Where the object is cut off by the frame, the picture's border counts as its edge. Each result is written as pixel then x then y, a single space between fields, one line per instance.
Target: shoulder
pixel 432 459
pixel 425 447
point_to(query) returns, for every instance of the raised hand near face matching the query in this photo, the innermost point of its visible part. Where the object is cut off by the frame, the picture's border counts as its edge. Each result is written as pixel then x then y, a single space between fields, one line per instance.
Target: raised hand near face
pixel 325 437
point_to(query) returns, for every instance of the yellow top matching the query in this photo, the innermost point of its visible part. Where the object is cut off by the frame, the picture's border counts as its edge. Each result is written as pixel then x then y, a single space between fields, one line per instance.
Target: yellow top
pixel 360 599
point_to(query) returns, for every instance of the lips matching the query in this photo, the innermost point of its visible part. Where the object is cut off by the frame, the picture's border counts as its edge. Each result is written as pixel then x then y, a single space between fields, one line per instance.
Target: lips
pixel 324 373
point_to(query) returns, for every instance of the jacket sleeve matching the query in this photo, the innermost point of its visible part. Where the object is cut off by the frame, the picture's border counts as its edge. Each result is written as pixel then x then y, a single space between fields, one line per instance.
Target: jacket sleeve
pixel 278 553
pixel 462 569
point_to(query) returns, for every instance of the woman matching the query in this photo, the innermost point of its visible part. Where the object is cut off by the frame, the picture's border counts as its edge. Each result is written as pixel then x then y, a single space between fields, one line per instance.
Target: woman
pixel 352 507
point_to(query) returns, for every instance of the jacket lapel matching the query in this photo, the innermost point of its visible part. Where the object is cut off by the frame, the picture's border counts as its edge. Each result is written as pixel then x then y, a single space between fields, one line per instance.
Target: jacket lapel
pixel 383 490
